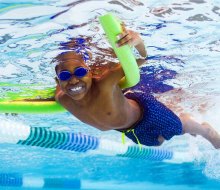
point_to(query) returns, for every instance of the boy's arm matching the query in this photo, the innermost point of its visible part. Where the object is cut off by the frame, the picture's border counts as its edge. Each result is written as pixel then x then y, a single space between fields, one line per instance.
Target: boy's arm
pixel 128 37
pixel 141 62
pixel 141 49
pixel 133 39
pixel 116 72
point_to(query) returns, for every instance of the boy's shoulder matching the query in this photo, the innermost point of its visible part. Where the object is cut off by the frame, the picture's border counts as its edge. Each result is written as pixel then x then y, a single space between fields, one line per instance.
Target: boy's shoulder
pixel 107 73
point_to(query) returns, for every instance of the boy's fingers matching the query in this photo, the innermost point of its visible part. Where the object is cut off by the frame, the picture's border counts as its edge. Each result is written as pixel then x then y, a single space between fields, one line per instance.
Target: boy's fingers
pixel 124 41
pixel 125 33
pixel 121 36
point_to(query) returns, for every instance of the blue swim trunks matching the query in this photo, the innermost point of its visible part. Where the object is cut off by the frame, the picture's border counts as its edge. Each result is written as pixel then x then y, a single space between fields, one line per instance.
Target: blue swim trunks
pixel 157 120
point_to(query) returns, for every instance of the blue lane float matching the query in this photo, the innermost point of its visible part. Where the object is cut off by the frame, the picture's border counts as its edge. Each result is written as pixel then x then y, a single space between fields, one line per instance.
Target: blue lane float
pixel 20 134
pixel 17 180
pixel 46 138
pixel 10 179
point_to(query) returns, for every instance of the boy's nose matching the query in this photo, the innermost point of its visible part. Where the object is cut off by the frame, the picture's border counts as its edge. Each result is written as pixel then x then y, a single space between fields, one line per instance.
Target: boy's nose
pixel 73 80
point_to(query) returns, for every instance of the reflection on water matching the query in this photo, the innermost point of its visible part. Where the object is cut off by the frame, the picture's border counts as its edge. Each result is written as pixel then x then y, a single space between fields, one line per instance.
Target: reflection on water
pixel 183 46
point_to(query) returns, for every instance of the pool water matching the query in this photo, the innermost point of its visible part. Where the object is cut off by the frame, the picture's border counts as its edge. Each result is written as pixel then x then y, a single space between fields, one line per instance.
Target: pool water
pixel 183 68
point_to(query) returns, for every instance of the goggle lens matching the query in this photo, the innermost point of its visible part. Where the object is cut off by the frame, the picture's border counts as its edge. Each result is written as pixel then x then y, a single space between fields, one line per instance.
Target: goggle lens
pixel 64 75
pixel 78 72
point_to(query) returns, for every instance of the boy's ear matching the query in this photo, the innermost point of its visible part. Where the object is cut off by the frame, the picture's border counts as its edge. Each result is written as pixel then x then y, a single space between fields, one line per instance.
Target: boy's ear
pixel 57 81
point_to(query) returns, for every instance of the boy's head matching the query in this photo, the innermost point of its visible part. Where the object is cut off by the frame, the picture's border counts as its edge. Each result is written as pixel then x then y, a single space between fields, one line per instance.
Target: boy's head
pixel 73 75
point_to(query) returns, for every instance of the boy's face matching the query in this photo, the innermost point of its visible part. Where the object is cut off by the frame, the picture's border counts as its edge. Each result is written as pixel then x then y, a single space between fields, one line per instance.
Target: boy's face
pixel 75 87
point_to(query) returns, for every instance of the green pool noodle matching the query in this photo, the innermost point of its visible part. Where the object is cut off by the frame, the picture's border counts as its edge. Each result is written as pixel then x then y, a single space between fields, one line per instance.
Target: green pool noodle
pixel 112 28
pixel 30 107
pixel 27 101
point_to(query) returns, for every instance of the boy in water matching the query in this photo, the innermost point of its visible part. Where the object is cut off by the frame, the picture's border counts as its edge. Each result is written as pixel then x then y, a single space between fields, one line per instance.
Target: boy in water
pixel 100 102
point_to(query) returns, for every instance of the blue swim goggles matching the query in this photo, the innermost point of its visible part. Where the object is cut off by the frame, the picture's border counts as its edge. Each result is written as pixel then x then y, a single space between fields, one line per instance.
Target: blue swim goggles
pixel 78 72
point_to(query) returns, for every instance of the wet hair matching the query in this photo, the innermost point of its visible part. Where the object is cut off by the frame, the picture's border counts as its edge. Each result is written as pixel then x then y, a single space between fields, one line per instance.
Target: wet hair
pixel 76 46
pixel 61 58
pixel 84 48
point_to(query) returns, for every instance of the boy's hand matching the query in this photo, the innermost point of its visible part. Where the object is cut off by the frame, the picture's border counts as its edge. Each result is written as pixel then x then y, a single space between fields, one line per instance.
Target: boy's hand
pixel 128 37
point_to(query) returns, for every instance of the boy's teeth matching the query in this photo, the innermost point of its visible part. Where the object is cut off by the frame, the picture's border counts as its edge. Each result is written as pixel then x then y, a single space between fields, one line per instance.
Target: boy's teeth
pixel 76 89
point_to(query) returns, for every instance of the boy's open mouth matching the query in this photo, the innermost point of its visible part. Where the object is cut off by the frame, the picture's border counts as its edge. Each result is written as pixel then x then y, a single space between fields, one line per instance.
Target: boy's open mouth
pixel 76 89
